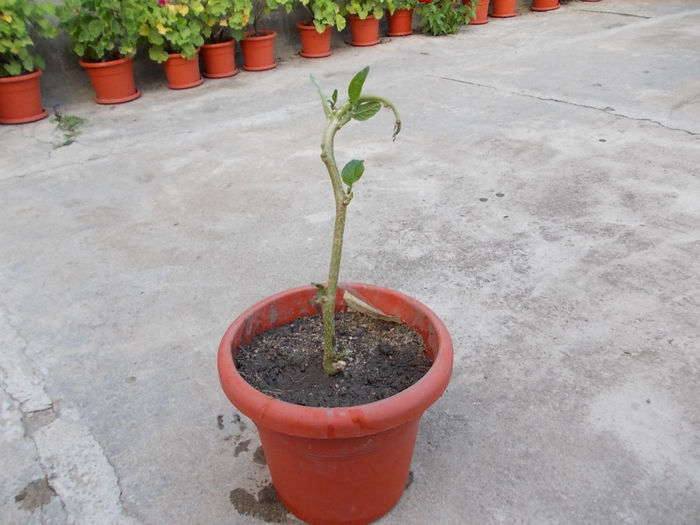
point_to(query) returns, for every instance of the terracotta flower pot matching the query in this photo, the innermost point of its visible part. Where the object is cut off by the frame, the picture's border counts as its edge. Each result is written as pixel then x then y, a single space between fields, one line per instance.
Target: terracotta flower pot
pixel 20 99
pixel 482 12
pixel 182 73
pixel 313 43
pixel 219 59
pixel 259 51
pixel 365 32
pixel 113 81
pixel 544 5
pixel 337 465
pixel 400 22
pixel 503 8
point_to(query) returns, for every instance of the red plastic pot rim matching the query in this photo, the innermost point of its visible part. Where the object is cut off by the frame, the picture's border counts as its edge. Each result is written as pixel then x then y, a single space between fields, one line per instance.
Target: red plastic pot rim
pixel 176 56
pixel 307 25
pixel 368 17
pixel 341 422
pixel 216 45
pixel 21 78
pixel 263 34
pixel 108 63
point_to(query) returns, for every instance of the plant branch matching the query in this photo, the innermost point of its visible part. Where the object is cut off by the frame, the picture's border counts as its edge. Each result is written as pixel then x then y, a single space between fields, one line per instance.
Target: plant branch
pixel 335 120
pixel 387 104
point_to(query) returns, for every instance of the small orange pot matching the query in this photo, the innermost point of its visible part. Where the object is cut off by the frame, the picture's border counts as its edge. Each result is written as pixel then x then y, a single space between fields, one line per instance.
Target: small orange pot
pixel 182 73
pixel 544 5
pixel 337 465
pixel 400 22
pixel 259 51
pixel 482 12
pixel 365 32
pixel 219 59
pixel 313 43
pixel 20 99
pixel 503 8
pixel 113 81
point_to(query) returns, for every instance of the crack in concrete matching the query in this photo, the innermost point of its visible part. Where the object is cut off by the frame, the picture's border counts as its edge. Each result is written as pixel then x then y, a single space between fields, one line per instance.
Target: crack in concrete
pixel 607 110
pixel 34 420
pixel 603 12
pixel 28 426
pixel 73 462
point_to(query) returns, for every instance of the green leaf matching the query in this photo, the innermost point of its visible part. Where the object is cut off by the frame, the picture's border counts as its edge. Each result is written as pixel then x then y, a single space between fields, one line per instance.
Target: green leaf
pixel 352 171
pixel 334 97
pixel 355 87
pixel 94 28
pixel 13 68
pixel 366 110
pixel 157 54
pixel 326 109
pixel 28 63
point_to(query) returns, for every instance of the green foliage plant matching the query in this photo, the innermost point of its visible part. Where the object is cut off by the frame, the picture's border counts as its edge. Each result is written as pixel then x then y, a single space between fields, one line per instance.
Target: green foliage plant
pixel 101 30
pixel 325 13
pixel 173 26
pixel 444 17
pixel 264 7
pixel 20 20
pixel 395 5
pixel 360 107
pixel 365 8
pixel 226 19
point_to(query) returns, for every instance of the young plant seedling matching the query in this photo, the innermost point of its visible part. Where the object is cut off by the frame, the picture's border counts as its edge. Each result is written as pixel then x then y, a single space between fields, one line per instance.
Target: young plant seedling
pixel 360 107
pixel 69 125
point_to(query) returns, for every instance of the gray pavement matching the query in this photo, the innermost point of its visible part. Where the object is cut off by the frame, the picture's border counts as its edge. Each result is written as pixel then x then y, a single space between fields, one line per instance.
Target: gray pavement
pixel 543 199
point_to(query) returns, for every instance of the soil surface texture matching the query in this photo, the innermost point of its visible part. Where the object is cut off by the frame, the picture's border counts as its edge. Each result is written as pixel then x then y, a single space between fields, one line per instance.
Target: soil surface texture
pixel 383 358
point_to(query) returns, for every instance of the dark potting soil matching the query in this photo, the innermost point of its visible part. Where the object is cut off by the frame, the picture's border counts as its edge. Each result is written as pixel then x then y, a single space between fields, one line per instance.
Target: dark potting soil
pixel 383 358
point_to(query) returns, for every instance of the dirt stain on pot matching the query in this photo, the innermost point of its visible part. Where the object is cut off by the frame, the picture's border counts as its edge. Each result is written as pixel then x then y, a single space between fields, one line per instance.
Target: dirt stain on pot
pixel 36 494
pixel 266 506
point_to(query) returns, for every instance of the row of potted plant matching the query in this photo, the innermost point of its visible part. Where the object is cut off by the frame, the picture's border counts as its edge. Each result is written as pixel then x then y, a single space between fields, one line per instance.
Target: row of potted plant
pixel 104 34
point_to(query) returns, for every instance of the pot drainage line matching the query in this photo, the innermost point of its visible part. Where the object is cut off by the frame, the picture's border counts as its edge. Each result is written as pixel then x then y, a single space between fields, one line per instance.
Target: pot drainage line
pixel 606 110
pixel 73 462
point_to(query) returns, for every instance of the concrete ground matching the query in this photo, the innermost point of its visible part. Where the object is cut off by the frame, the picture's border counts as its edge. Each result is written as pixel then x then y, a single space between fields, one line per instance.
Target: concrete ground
pixel 543 198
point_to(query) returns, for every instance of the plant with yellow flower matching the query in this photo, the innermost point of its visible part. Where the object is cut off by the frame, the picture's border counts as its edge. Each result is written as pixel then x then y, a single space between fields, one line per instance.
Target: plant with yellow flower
pixel 173 26
pixel 101 30
pixel 20 21
pixel 226 19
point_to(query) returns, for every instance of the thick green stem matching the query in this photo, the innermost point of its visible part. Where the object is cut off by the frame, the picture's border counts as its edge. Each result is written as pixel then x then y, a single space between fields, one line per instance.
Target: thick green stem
pixel 337 118
pixel 328 303
pixel 341 203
